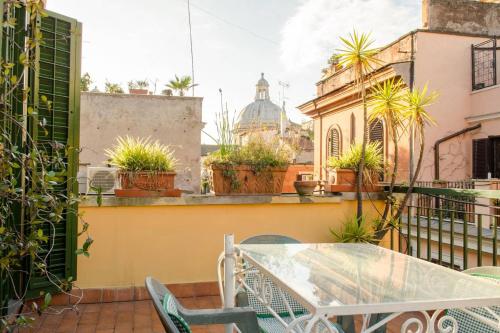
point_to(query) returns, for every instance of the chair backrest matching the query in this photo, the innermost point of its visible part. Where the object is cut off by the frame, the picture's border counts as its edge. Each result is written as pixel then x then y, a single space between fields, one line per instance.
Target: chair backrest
pixel 251 277
pixel 489 272
pixel 159 293
pixel 467 322
pixel 270 239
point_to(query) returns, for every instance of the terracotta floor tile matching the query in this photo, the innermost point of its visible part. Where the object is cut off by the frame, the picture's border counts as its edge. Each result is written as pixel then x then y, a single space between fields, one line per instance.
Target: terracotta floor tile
pixel 188 302
pixel 125 306
pixel 52 321
pixel 124 329
pixel 199 329
pixel 89 318
pixel 217 328
pixel 67 327
pixel 142 330
pixel 142 320
pixel 204 302
pixel 106 321
pixel 111 330
pixel 216 301
pixel 125 317
pixel 85 329
pixel 92 308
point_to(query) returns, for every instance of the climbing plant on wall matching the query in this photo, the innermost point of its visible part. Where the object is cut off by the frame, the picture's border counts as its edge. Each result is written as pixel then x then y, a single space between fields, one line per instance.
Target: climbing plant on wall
pixel 39 124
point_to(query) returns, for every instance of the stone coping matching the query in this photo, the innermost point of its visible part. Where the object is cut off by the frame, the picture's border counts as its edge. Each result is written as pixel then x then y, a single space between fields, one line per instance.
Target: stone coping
pixel 199 200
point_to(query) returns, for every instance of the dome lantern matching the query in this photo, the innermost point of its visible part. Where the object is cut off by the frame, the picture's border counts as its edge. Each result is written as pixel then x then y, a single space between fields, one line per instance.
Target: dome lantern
pixel 262 89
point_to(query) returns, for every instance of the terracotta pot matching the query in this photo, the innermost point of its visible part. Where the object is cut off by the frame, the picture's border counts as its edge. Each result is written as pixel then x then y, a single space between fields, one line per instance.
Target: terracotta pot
pixel 138 91
pixel 136 193
pixel 305 187
pixel 243 180
pixel 345 181
pixel 148 181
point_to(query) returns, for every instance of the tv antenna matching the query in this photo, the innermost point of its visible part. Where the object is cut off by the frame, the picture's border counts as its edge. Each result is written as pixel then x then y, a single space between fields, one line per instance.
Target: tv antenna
pixel 284 85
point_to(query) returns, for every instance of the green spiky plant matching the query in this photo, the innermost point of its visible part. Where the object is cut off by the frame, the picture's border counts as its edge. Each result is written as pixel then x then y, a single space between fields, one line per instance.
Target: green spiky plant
pixel 387 104
pixel 357 53
pixel 141 154
pixel 354 230
pixel 417 103
pixel 373 160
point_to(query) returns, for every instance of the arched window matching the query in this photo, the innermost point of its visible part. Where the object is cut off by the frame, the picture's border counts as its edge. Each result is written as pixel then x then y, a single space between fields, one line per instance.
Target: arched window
pixel 333 143
pixel 353 129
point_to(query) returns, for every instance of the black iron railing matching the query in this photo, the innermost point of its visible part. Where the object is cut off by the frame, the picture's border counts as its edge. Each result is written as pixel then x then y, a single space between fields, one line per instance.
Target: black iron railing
pixel 484 64
pixel 441 227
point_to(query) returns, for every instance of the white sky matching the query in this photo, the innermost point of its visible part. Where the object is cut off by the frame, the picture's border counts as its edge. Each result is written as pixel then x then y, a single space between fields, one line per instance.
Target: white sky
pixel 234 41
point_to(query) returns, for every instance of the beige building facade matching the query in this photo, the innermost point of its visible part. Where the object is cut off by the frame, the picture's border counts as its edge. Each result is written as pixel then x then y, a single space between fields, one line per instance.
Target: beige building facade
pixel 441 55
pixel 175 121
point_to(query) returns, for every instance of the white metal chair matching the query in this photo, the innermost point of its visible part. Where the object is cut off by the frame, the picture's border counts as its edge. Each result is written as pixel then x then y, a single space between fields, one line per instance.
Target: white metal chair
pixel 472 320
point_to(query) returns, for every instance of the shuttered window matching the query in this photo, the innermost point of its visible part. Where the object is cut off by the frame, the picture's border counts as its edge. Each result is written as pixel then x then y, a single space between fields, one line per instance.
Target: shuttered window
pixel 376 133
pixel 480 158
pixel 58 80
pixel 333 143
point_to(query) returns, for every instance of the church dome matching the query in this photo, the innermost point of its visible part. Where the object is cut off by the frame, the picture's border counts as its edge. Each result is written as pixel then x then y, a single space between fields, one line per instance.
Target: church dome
pixel 262 112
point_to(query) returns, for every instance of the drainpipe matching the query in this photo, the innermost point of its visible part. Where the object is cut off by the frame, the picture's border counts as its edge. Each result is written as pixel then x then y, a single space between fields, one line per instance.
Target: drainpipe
pixel 446 138
pixel 320 142
pixel 412 84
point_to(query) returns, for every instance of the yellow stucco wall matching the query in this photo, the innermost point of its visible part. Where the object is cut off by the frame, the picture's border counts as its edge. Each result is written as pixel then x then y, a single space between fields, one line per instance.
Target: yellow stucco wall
pixel 181 244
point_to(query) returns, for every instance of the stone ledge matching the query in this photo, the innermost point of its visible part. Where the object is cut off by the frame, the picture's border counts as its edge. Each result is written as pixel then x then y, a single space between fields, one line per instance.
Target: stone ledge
pixel 199 200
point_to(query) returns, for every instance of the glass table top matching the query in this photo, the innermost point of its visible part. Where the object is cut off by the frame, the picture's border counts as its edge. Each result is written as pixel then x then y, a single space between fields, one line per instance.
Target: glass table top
pixel 363 278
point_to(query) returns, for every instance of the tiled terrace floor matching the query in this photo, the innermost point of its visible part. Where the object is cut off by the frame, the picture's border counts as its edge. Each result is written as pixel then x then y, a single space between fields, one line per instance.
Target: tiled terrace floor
pixel 128 317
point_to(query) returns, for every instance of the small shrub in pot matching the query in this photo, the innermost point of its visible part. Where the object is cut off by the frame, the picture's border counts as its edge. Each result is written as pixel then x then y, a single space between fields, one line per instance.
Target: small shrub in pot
pixel 346 167
pixel 257 167
pixel 144 165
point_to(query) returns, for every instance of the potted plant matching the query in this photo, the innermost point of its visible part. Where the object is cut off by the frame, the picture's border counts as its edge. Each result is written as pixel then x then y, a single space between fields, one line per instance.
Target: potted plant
pixel 146 168
pixel 138 87
pixel 258 167
pixel 345 168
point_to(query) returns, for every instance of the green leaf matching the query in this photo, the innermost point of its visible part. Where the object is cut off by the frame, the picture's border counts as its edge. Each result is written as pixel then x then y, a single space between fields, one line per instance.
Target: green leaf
pixel 13 79
pixel 47 299
pixel 22 58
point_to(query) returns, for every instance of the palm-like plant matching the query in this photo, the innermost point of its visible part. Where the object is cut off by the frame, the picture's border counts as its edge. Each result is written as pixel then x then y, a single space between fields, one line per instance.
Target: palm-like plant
pixel 387 102
pixel 416 113
pixel 113 88
pixel 180 84
pixel 358 54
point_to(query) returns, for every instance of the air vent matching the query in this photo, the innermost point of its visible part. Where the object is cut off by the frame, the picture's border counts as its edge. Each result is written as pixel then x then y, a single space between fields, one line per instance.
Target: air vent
pixel 104 178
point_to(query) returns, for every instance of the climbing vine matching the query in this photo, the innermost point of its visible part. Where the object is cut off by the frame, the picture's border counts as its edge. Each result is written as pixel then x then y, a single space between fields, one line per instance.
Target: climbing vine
pixel 32 202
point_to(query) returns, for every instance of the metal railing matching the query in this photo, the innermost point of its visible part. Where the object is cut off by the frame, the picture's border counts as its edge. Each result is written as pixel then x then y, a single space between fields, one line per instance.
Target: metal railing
pixel 484 64
pixel 443 228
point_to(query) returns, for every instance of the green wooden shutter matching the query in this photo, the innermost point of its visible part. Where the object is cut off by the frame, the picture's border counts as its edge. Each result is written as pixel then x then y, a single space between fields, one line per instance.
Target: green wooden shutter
pixel 480 158
pixel 57 77
pixel 9 38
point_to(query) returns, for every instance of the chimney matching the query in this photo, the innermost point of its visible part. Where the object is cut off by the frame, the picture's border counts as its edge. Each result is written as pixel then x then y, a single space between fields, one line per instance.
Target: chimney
pixel 462 16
